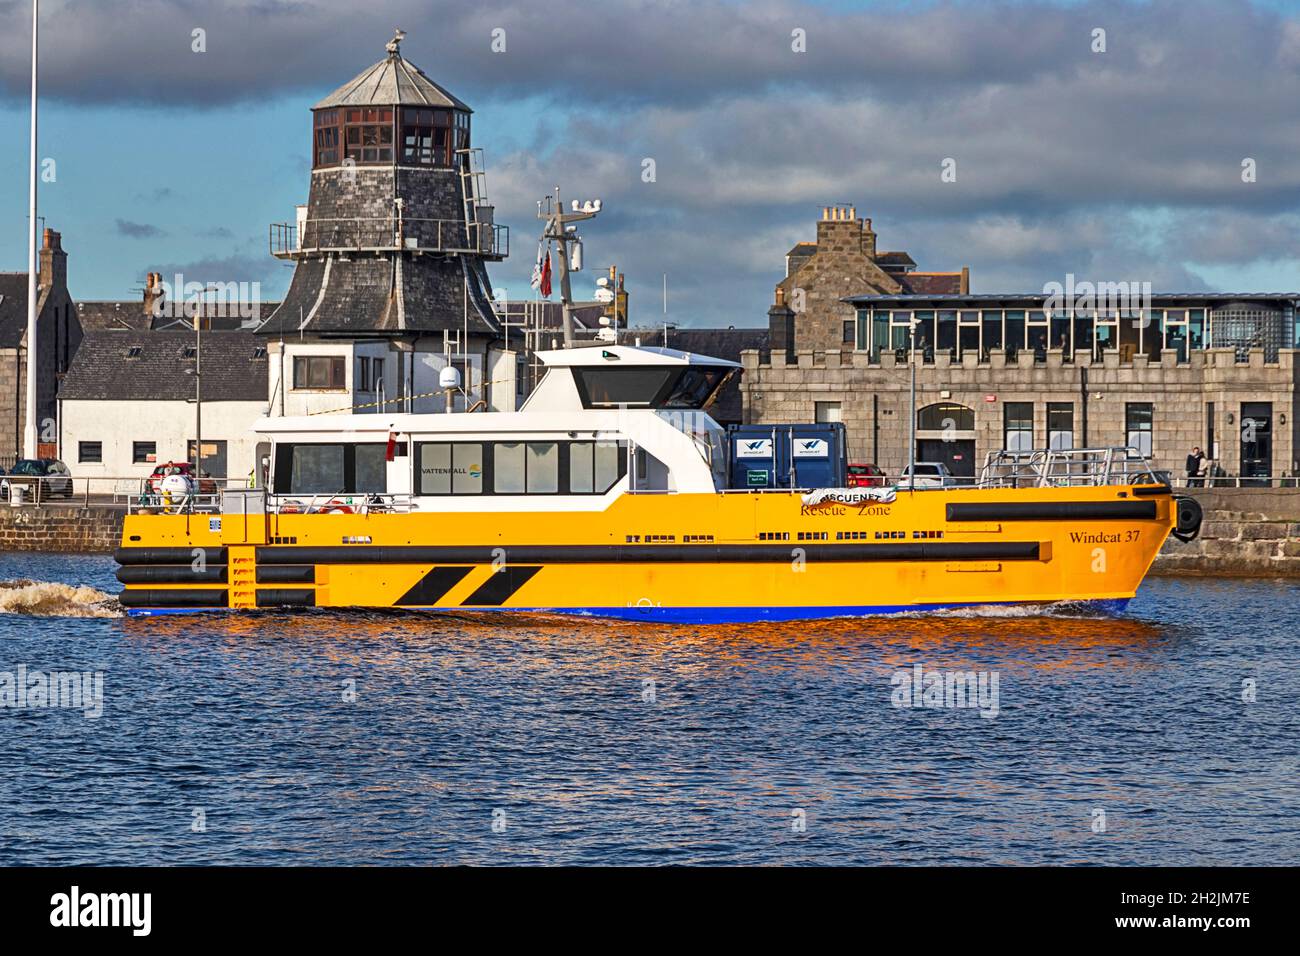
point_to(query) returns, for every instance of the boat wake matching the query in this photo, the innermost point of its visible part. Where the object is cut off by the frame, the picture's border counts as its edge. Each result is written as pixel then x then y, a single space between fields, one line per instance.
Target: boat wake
pixel 1081 609
pixel 53 599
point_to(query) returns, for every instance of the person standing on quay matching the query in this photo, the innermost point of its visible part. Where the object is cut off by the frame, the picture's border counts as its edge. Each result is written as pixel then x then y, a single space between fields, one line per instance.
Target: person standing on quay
pixel 1194 461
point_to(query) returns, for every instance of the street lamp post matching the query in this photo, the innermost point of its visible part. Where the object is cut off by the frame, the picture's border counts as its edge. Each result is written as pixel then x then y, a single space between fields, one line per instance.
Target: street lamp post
pixel 911 405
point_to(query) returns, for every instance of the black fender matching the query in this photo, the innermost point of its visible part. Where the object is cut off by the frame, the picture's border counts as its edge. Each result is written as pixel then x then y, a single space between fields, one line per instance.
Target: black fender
pixel 1187 518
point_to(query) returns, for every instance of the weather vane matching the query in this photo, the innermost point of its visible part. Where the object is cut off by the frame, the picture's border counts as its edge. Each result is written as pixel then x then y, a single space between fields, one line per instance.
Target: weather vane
pixel 395 44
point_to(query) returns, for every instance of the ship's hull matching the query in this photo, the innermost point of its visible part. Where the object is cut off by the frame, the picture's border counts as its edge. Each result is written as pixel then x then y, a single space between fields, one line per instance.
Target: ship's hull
pixel 691 559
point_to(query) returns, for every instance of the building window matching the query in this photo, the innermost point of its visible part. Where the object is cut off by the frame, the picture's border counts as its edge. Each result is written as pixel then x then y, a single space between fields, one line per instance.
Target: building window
pixel 144 452
pixel 90 452
pixel 827 412
pixel 1018 426
pixel 369 137
pixel 1060 426
pixel 319 371
pixel 427 138
pixel 1137 425
pixel 326 138
pixel 946 417
pixel 1211 445
pixel 848 333
pixel 370 373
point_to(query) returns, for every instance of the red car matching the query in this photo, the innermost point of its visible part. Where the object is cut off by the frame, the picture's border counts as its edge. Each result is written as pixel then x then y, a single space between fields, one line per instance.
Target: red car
pixel 866 476
pixel 207 486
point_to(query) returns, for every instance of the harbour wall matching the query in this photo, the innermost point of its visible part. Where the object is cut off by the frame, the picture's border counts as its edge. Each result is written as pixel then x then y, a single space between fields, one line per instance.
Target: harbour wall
pixel 61 528
pixel 1248 532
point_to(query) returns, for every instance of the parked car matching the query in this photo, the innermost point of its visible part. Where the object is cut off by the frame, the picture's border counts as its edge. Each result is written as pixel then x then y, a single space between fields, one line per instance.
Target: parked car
pixel 153 484
pixel 866 476
pixel 928 474
pixel 50 474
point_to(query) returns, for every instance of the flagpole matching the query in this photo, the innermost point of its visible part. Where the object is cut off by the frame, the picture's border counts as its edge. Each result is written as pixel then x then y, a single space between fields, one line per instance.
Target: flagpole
pixel 29 430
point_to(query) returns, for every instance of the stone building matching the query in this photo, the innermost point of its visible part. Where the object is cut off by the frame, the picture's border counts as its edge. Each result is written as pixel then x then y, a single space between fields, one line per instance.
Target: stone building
pixel 58 333
pixel 1015 372
pixel 390 281
pixel 809 308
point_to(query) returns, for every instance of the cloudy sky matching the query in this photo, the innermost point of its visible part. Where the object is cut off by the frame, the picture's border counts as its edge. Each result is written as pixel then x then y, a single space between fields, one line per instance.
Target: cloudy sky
pixel 1125 164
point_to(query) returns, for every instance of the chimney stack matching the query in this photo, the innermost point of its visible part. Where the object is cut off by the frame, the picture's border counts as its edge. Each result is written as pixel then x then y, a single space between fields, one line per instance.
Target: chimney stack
pixel 54 261
pixel 152 291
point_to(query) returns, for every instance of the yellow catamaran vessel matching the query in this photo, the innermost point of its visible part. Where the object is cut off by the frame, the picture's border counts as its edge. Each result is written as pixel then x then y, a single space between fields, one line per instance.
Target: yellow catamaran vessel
pixel 606 495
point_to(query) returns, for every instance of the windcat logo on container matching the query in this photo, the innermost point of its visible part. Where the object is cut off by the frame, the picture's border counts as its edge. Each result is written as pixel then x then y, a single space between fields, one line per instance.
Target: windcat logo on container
pixel 79 690
pixel 946 689
pixel 103 909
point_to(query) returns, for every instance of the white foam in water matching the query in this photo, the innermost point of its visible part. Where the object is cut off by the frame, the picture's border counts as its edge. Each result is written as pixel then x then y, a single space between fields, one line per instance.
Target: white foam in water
pixel 51 599
pixel 1050 609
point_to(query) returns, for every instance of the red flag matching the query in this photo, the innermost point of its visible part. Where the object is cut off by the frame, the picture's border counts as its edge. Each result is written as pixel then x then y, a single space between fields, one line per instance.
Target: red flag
pixel 546 275
pixel 391 451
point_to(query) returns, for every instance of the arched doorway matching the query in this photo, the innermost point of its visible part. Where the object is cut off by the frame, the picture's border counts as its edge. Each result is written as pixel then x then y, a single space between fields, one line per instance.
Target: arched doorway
pixel 945 432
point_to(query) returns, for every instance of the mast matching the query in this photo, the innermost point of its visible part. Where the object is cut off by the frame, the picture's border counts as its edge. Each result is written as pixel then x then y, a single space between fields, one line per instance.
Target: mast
pixel 29 427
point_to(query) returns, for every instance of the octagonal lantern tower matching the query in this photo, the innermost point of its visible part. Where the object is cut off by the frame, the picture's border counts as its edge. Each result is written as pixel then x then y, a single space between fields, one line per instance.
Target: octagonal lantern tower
pixel 396 231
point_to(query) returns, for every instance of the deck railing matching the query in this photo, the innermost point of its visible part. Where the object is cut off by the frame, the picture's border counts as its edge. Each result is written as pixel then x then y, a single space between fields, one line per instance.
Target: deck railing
pixel 1047 467
pixel 389 234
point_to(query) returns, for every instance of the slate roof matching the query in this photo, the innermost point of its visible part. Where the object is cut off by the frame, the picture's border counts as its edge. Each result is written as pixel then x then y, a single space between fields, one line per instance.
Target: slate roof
pixel 104 368
pixel 112 315
pixel 894 259
pixel 393 81
pixel 930 283
pixel 13 308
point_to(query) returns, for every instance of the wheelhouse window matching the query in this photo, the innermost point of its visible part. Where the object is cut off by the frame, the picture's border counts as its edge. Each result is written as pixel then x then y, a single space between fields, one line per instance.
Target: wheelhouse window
pixel 694 386
pixel 595 466
pixel 331 468
pixel 320 371
pixel 519 468
pixel 526 468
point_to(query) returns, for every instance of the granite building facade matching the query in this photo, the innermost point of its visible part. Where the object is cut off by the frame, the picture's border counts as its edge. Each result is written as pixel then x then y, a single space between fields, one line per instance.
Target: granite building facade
pixel 1163 374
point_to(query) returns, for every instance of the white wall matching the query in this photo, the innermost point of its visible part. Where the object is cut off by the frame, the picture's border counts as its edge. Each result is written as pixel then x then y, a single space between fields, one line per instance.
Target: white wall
pixel 170 425
pixel 427 366
pixel 503 370
pixel 310 401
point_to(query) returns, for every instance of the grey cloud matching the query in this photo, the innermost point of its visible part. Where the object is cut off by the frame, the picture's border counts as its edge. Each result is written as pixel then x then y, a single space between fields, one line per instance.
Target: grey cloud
pixel 626 51
pixel 138 230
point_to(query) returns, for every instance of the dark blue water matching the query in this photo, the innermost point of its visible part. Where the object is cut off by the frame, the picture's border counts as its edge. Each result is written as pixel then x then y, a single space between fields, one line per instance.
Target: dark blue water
pixel 543 723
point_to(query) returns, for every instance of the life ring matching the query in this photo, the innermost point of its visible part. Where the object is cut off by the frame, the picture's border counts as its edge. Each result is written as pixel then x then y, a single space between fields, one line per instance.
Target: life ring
pixel 336 507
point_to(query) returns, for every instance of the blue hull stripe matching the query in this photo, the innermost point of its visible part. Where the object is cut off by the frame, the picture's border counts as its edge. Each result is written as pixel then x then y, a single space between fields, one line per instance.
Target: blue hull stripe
pixel 719 615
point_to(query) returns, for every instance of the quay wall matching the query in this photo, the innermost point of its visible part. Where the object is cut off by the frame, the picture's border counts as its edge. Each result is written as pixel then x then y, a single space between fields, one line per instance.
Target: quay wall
pixel 61 528
pixel 1247 532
